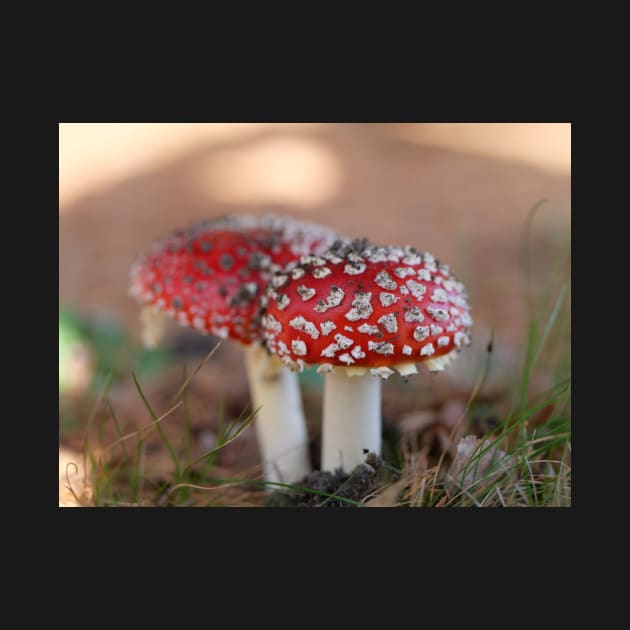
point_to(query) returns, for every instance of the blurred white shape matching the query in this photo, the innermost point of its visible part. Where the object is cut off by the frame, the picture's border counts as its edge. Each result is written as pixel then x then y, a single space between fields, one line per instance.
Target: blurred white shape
pixel 93 156
pixel 153 323
pixel 291 170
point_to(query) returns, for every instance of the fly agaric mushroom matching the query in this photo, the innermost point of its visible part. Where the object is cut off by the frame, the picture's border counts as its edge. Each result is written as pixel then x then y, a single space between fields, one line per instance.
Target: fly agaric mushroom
pixel 212 277
pixel 363 311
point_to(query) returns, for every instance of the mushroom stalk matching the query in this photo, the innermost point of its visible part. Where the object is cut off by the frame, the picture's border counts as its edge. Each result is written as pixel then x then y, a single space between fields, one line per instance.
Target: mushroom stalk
pixel 280 424
pixel 351 419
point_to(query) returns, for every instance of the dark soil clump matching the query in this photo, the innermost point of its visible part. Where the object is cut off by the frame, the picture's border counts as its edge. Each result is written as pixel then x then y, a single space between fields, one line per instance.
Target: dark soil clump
pixel 356 486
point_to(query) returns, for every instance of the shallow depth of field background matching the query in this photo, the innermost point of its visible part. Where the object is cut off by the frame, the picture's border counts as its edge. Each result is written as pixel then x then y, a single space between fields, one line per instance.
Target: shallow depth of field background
pixel 461 191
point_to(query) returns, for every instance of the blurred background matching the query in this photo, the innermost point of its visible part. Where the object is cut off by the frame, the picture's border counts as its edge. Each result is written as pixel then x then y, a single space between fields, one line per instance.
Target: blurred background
pixel 461 191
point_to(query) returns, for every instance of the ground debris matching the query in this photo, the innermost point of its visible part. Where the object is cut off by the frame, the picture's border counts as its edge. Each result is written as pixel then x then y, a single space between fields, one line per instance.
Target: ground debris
pixel 476 460
pixel 362 482
pixel 75 489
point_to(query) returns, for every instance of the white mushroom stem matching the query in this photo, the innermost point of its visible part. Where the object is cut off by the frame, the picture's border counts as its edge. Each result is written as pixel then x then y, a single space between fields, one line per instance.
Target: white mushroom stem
pixel 280 424
pixel 352 419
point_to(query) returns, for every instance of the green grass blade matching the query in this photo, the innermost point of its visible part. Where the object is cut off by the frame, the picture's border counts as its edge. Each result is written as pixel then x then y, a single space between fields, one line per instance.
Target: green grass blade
pixel 194 372
pixel 550 323
pixel 277 484
pixel 227 441
pixel 165 439
pixel 186 441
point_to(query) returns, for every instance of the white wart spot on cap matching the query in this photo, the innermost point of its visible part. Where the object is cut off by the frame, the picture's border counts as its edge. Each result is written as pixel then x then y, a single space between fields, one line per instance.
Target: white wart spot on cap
pixel 335 296
pixel 321 272
pixel 282 301
pixel 403 272
pixel 458 300
pixel 279 281
pixel 354 269
pixel 343 341
pixel 367 329
pixel 330 350
pixel 297 273
pixel 443 341
pixel 439 295
pixel 404 290
pixel 282 348
pixel 417 289
pixel 385 281
pixel 387 299
pixel 305 293
pixel 377 254
pixel 389 322
pixel 302 324
pixel 421 333
pixel 381 347
pixel 346 358
pixel 429 262
pixel 414 314
pixel 357 352
pixel 412 259
pixel 439 314
pixel 436 330
pixel 424 274
pixel 407 349
pixel 298 347
pixel 348 328
pixel 449 285
pixel 321 306
pixel 310 259
pixel 327 327
pixel 361 307
pixel 332 257
pixel 428 350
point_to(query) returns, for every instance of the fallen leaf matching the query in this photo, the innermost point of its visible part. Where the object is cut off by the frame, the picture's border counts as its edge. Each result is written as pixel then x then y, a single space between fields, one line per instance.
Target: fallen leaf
pixel 388 497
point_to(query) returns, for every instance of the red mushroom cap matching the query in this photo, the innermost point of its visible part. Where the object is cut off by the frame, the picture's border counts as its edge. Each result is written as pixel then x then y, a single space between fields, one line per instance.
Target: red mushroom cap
pixel 365 306
pixel 212 276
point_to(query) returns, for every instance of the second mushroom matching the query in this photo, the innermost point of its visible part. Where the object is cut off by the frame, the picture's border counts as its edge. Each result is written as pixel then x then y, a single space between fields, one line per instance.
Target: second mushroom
pixel 212 277
pixel 361 312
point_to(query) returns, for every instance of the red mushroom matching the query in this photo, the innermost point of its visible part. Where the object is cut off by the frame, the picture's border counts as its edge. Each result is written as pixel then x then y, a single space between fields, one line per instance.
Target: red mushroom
pixel 212 277
pixel 363 311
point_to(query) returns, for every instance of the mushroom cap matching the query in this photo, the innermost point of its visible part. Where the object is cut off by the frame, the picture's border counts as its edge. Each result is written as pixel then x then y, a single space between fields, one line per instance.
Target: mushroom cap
pixel 212 275
pixel 365 306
